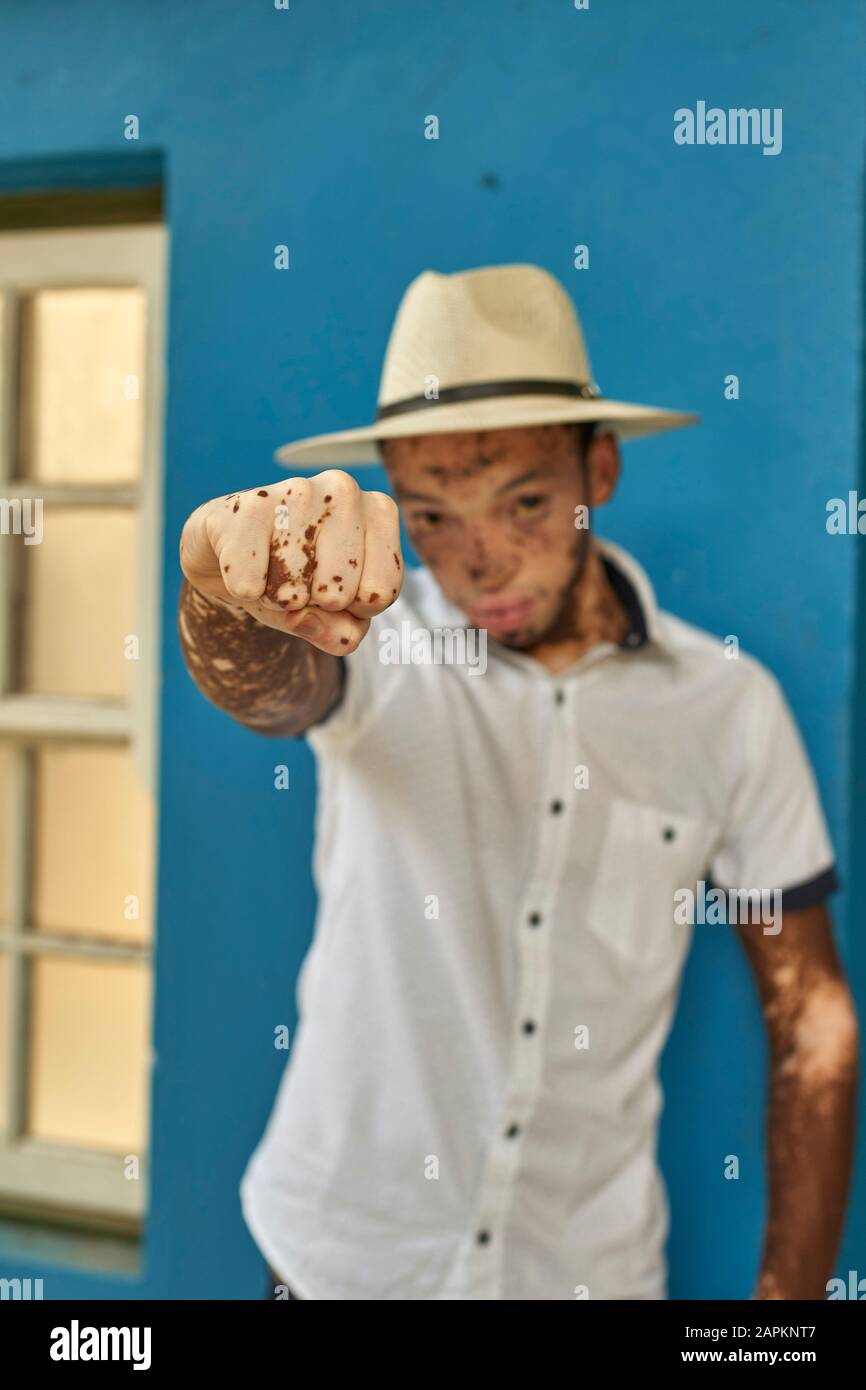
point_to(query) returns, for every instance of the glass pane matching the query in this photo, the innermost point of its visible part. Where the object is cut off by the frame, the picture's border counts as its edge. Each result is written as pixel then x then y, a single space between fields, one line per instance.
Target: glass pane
pixel 79 605
pixel 6 764
pixel 93 843
pixel 4 1053
pixel 82 366
pixel 89 1053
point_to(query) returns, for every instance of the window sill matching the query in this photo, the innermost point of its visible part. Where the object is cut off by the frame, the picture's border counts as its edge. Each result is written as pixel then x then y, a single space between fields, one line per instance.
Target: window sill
pixel 30 1244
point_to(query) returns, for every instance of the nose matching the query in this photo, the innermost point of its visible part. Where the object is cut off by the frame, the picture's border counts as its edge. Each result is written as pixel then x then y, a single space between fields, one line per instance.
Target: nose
pixel 490 568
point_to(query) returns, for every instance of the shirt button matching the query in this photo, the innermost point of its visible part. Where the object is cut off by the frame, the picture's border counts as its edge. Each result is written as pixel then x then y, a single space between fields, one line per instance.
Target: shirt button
pixel 560 697
pixel 528 1026
pixel 556 807
pixel 483 1237
pixel 534 919
pixel 669 833
pixel 512 1131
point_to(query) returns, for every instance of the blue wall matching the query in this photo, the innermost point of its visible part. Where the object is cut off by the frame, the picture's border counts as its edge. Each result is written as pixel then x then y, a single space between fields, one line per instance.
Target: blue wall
pixel 306 128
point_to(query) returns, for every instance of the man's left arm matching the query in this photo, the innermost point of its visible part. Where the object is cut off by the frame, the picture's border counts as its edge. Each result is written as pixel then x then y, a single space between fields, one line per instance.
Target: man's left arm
pixel 813 1065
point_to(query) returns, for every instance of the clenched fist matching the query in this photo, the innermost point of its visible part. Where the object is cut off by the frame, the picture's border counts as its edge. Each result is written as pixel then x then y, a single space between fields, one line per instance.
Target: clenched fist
pixel 316 557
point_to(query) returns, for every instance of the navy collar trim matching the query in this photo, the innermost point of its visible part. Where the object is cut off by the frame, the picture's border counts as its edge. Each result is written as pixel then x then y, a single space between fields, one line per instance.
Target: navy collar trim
pixel 637 635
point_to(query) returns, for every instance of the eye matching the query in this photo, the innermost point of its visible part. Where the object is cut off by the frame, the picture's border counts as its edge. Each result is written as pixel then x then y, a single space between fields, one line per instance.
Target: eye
pixel 530 501
pixel 427 518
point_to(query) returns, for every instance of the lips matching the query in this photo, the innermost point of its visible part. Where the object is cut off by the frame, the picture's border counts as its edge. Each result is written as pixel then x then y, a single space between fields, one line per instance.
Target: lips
pixel 499 616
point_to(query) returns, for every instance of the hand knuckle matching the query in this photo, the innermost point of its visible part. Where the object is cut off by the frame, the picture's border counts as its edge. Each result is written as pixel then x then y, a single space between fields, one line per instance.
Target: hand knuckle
pixel 337 483
pixel 384 503
pixel 299 490
pixel 246 587
pixel 331 603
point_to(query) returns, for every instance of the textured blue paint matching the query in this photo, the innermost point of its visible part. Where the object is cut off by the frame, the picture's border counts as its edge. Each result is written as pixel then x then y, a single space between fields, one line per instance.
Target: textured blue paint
pixel 305 127
pixel 129 168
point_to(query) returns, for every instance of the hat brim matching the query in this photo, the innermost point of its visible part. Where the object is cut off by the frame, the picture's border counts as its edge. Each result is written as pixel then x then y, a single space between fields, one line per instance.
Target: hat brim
pixel 359 446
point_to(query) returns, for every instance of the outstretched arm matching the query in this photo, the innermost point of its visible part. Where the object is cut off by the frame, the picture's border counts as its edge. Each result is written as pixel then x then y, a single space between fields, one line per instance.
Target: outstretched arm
pixel 273 683
pixel 280 585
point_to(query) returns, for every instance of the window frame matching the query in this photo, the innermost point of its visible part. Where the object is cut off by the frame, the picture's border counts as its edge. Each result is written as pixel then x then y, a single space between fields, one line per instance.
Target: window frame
pixel 75 1183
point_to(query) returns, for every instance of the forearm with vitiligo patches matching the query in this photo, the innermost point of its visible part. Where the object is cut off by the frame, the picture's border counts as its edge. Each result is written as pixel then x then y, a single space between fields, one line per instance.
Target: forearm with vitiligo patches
pixel 268 680
pixel 813 1082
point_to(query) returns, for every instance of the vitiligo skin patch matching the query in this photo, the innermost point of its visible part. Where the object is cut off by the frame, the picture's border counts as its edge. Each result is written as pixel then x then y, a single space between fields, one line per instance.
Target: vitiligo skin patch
pixel 492 513
pixel 264 679
pixel 813 1065
pixel 281 583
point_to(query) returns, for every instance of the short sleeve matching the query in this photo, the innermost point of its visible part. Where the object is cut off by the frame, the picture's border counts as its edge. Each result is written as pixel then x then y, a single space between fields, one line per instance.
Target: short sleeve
pixel 775 835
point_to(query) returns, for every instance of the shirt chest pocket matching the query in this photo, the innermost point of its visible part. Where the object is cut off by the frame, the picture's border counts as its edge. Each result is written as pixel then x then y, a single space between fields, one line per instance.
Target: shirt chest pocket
pixel 649 857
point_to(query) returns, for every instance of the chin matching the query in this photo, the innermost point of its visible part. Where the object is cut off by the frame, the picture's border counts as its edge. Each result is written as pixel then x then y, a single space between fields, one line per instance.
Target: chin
pixel 526 637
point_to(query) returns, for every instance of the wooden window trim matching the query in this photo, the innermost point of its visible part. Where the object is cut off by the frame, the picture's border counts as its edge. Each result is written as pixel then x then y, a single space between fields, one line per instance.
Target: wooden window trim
pixel 34 1173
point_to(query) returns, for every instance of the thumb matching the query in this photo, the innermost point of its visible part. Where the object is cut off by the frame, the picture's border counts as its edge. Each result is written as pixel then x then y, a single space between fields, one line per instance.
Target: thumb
pixel 338 633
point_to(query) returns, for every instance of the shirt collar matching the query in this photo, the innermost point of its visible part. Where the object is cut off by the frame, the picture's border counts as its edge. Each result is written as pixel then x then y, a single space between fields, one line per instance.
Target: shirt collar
pixel 637 596
pixel 630 583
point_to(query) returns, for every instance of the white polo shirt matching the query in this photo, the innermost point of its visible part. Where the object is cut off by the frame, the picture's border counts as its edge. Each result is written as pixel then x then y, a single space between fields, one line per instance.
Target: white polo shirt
pixel 470 1106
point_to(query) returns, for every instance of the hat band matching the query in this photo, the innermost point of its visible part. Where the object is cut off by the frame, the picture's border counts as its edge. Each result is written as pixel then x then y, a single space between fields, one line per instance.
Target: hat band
pixel 478 390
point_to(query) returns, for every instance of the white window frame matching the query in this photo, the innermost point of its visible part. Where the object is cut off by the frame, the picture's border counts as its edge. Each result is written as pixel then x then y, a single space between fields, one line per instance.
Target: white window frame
pixel 65 1182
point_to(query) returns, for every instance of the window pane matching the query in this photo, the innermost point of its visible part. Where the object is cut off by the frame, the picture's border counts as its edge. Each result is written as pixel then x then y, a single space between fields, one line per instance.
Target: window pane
pixel 82 351
pixel 89 1053
pixel 93 839
pixel 4 1050
pixel 79 605
pixel 6 763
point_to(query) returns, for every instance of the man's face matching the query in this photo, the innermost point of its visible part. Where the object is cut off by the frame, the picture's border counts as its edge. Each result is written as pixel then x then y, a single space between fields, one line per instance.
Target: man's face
pixel 492 515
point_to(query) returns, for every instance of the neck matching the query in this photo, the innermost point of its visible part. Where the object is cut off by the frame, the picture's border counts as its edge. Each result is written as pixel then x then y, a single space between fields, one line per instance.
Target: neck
pixel 592 613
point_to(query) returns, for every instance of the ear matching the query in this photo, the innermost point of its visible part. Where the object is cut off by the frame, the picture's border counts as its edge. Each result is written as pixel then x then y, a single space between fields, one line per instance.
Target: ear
pixel 603 468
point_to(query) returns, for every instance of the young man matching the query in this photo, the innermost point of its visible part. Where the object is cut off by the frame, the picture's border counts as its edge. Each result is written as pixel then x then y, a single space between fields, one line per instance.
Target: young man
pixel 503 844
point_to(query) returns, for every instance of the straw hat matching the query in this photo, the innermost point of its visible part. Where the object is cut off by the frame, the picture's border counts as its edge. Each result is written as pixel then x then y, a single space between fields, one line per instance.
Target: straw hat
pixel 482 349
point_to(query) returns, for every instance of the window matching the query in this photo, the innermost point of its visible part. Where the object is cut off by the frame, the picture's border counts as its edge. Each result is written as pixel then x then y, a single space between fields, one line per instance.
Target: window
pixel 81 327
